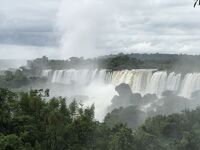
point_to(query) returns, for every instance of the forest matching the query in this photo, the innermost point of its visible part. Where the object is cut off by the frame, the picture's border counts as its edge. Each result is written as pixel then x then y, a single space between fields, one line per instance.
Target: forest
pixel 171 62
pixel 33 121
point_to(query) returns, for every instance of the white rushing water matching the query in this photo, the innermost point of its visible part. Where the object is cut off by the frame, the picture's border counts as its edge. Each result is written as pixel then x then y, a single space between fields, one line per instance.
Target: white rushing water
pixel 80 77
pixel 91 83
pixel 100 85
pixel 141 81
pixel 190 84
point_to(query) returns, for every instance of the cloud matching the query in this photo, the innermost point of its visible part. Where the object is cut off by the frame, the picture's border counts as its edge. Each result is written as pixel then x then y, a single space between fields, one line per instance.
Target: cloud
pixel 92 27
pixel 97 27
pixel 26 52
pixel 29 38
pixel 28 22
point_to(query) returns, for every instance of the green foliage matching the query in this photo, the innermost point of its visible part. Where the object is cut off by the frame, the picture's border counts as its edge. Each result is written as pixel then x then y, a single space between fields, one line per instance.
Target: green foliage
pixel 174 132
pixel 131 116
pixel 29 122
pixel 17 79
pixel 11 142
pixel 121 138
pixel 122 62
pixel 13 79
pixel 170 62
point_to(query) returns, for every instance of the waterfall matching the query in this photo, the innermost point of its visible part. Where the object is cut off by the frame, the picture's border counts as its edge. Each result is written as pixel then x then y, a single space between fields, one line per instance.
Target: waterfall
pixel 141 81
pixel 137 79
pixel 157 83
pixel 161 81
pixel 147 81
pixel 173 81
pixel 190 84
pixel 46 73
pixel 72 76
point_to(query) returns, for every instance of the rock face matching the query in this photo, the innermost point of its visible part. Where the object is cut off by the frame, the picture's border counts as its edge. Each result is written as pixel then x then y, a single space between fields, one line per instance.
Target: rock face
pixel 125 97
pixel 131 116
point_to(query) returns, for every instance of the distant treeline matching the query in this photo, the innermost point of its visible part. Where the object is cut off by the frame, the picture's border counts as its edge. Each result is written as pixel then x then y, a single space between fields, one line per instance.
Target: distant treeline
pixel 170 62
pixel 19 78
pixel 31 73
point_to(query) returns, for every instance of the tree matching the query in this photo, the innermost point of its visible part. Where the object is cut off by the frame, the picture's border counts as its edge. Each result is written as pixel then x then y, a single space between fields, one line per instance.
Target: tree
pixel 7 108
pixel 121 138
pixel 11 142
pixel 188 142
pixel 197 2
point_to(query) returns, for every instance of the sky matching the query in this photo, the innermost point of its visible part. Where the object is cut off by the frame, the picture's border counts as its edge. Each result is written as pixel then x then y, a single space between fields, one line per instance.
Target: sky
pixel 64 28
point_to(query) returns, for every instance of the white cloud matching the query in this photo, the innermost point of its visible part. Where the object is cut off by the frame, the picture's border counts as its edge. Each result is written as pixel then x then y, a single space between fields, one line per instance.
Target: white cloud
pixel 96 27
pixel 26 52
pixel 93 27
pixel 27 13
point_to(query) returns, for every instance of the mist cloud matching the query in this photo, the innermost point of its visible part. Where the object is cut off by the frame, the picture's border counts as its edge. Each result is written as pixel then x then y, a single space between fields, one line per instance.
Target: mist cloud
pixel 92 27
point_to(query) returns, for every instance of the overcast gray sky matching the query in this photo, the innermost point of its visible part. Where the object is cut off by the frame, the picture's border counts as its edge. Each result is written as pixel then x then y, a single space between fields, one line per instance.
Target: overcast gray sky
pixel 64 28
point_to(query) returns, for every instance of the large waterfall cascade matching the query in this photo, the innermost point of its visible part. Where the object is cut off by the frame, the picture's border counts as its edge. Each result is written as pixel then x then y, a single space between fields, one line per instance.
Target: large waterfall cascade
pixel 140 80
pixel 80 77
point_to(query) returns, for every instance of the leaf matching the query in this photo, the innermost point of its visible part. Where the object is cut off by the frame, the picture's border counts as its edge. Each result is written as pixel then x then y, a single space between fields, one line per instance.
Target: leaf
pixel 196 3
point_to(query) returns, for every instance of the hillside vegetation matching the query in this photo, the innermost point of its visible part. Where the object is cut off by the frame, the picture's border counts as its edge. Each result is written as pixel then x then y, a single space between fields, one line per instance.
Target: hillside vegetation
pixel 170 62
pixel 28 121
